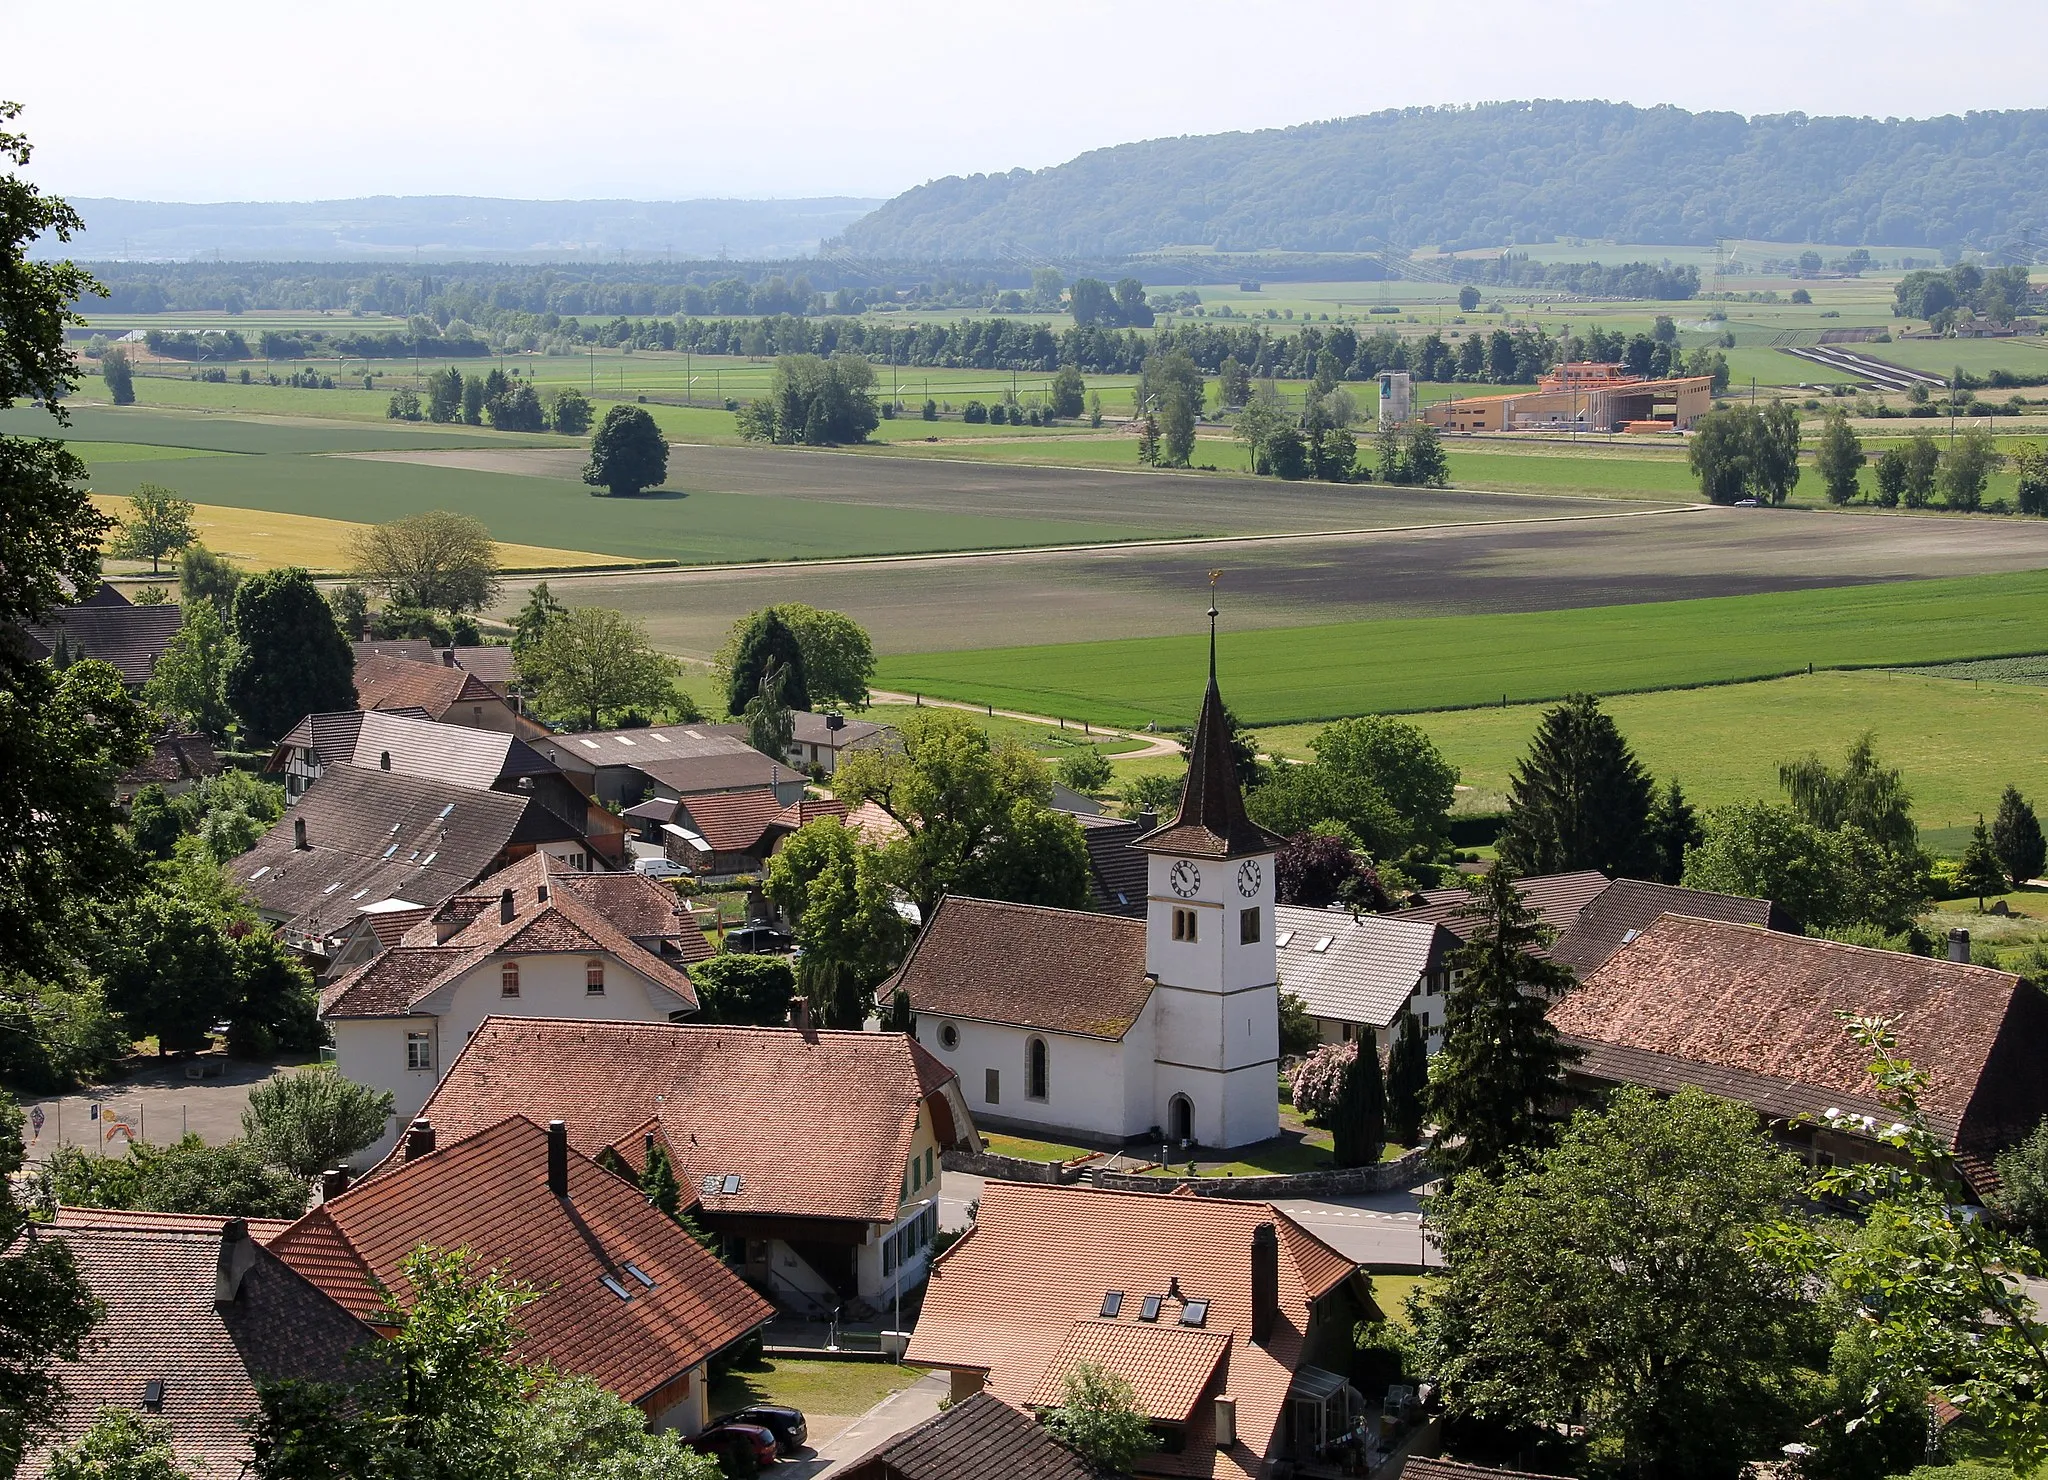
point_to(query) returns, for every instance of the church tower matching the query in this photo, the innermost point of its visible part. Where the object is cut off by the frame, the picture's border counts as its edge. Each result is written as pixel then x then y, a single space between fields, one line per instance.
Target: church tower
pixel 1209 945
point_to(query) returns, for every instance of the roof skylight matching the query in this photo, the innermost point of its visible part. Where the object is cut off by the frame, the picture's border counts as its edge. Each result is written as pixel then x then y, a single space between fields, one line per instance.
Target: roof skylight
pixel 1112 1305
pixel 615 1287
pixel 1149 1311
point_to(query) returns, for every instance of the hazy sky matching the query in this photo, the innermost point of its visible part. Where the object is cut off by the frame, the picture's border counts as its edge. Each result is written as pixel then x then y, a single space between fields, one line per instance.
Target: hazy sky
pixel 235 100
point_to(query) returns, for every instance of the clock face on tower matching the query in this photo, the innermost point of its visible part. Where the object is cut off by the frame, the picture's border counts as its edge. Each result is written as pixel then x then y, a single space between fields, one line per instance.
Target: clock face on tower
pixel 1185 879
pixel 1249 877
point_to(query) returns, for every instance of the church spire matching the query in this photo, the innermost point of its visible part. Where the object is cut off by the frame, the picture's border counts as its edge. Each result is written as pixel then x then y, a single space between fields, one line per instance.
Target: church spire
pixel 1211 822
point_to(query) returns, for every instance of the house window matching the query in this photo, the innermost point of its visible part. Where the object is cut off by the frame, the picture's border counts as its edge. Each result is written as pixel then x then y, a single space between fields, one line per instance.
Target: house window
pixel 419 1051
pixel 593 978
pixel 1248 926
pixel 1034 1069
pixel 508 979
pixel 927 1163
pixel 992 1088
pixel 1183 924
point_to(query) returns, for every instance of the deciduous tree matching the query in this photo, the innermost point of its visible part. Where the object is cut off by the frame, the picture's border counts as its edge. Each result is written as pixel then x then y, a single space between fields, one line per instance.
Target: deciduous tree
pixel 120 1444
pixel 206 576
pixel 590 660
pixel 738 988
pixel 627 453
pixel 119 376
pixel 1579 799
pixel 1892 471
pixel 190 679
pixel 311 1119
pixel 1824 879
pixel 1400 761
pixel 1967 467
pixel 1296 799
pixel 1839 457
pixel 158 523
pixel 1099 1417
pixel 291 660
pixel 837 890
pixel 1322 866
pixel 437 560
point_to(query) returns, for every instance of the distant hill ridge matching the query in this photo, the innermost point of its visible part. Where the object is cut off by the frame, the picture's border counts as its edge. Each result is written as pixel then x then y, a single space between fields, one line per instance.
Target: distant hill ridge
pixel 465 227
pixel 1498 173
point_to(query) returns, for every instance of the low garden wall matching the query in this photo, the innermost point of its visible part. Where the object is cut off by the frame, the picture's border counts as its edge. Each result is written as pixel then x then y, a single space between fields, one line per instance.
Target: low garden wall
pixel 1385 1176
pixel 1012 1168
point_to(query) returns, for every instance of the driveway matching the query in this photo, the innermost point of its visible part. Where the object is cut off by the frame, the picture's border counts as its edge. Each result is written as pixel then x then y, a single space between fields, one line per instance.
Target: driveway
pixel 160 1101
pixel 895 1414
pixel 958 1191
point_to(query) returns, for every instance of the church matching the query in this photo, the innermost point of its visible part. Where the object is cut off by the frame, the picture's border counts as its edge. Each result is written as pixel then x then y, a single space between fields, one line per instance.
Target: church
pixel 1067 1023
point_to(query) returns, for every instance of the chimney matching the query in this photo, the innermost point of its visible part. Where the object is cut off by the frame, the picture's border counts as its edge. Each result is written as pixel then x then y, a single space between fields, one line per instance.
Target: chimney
pixel 1959 946
pixel 558 1158
pixel 299 835
pixel 506 913
pixel 1148 820
pixel 419 1138
pixel 800 1013
pixel 333 1183
pixel 1265 1282
pixel 384 759
pixel 1226 1421
pixel 237 1254
pixel 448 658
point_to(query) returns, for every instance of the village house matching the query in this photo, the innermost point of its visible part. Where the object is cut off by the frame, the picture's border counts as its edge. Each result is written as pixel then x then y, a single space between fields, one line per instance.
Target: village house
pixel 819 741
pixel 108 627
pixel 1078 1023
pixel 664 762
pixel 536 939
pixel 1231 1322
pixel 1753 1015
pixel 493 663
pixel 178 761
pixel 449 695
pixel 198 1317
pixel 813 1154
pixel 726 833
pixel 623 1294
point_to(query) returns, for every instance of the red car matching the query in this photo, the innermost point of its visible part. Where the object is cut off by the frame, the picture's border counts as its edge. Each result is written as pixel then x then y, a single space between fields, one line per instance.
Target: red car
pixel 735 1444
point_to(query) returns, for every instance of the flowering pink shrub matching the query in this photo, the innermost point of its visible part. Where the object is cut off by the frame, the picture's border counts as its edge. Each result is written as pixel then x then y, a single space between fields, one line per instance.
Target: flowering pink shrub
pixel 1319 1079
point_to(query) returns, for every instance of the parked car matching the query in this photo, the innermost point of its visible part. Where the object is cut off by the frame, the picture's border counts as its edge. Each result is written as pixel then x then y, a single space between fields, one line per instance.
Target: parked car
pixel 736 1445
pixel 658 867
pixel 787 1424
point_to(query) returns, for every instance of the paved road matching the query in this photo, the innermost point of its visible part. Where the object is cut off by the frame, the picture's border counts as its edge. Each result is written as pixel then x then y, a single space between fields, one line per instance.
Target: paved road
pixel 1384 1229
pixel 957 1192
pixel 892 1416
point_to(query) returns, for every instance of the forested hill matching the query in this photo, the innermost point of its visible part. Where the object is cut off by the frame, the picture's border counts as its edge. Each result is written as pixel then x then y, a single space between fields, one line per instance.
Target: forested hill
pixel 1495 174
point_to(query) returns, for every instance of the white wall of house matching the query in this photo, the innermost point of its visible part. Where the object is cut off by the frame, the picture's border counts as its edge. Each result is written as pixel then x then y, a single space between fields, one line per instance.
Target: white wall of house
pixel 372 1051
pixel 688 1414
pixel 1094 1087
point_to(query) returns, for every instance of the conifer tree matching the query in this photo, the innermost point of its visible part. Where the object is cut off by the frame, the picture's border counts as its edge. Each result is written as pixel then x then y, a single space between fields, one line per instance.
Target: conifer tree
pixel 1407 1082
pixel 1148 440
pixel 1981 874
pixel 1358 1126
pixel 1501 1063
pixel 1579 799
pixel 2016 838
pixel 1673 827
pixel 767 644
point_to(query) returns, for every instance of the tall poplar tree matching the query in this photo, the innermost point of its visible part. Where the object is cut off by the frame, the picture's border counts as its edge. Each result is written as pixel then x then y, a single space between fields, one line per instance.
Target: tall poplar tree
pixel 1358 1126
pixel 1407 1082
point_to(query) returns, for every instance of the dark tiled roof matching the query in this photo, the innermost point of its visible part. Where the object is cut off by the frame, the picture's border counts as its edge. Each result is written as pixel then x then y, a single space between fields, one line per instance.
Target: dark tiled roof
pixel 1212 822
pixel 488 1192
pixel 157 1277
pixel 1556 900
pixel 817 1124
pixel 174 756
pixel 644 744
pixel 727 770
pixel 1628 907
pixel 1069 971
pixel 330 735
pixel 131 638
pixel 1450 1469
pixel 492 664
pixel 982 1438
pixel 1116 870
pixel 376 835
pixel 1733 997
pixel 397 683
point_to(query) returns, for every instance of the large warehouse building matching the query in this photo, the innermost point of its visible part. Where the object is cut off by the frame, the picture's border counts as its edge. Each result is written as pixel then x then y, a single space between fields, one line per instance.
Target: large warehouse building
pixel 1585 396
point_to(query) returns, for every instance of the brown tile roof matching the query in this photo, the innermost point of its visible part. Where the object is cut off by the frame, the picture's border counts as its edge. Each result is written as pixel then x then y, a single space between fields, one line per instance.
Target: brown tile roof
pixel 1211 822
pixel 157 1277
pixel 374 835
pixel 1628 907
pixel 981 1438
pixel 1417 1468
pixel 131 638
pixel 1069 971
pixel 873 824
pixel 734 821
pixel 132 1218
pixel 397 683
pixel 808 810
pixel 493 664
pixel 489 1193
pixel 1005 1299
pixel 817 1124
pixel 330 735
pixel 462 754
pixel 174 756
pixel 1116 870
pixel 1733 997
pixel 1556 900
pixel 1168 1365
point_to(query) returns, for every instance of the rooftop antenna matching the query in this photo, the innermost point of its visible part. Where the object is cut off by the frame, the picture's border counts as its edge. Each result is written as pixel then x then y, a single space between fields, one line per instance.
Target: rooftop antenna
pixel 1214 577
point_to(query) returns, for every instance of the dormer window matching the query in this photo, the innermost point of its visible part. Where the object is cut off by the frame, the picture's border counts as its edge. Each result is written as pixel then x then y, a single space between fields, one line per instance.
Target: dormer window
pixel 593 978
pixel 508 979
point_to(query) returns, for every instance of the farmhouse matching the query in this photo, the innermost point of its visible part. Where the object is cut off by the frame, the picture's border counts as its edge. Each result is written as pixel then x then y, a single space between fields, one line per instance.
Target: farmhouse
pixel 178 760
pixel 814 1155
pixel 818 741
pixel 107 627
pixel 624 767
pixel 493 663
pixel 448 695
pixel 1360 974
pixel 1075 1022
pixel 1584 396
pixel 726 833
pixel 1753 1015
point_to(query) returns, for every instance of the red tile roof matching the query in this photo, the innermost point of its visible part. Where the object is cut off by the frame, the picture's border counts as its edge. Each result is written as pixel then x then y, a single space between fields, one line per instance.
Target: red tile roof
pixel 1168 1365
pixel 1628 907
pixel 1068 971
pixel 1417 1468
pixel 734 821
pixel 809 809
pixel 815 1124
pixel 1765 1003
pixel 980 1438
pixel 1005 1300
pixel 397 683
pixel 489 1193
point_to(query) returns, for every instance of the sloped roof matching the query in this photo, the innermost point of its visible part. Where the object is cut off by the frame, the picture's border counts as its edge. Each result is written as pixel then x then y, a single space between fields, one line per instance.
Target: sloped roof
pixel 156 1276
pixel 1212 822
pixel 1417 1468
pixel 873 824
pixel 735 821
pixel 1067 971
pixel 816 1124
pixel 1116 868
pixel 1734 997
pixel 330 735
pixel 374 835
pixel 395 683
pixel 174 756
pixel 980 1438
pixel 462 754
pixel 1556 900
pixel 1628 907
pixel 1367 964
pixel 646 743
pixel 1168 1365
pixel 1005 1300
pixel 807 810
pixel 488 1192
pixel 492 663
pixel 131 638
pixel 813 729
pixel 715 770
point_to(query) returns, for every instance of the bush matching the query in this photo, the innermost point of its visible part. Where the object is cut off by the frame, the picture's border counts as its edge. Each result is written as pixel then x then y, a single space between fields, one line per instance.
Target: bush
pixel 1086 770
pixel 974 413
pixel 1319 1079
pixel 931 409
pixel 189 1176
pixel 312 1119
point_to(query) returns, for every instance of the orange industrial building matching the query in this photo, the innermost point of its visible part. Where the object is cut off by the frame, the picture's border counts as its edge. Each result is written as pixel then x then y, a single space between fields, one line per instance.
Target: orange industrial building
pixel 1585 396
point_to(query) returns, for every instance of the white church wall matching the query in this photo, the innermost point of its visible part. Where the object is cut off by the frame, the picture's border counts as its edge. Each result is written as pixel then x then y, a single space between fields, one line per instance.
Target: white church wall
pixel 1093 1087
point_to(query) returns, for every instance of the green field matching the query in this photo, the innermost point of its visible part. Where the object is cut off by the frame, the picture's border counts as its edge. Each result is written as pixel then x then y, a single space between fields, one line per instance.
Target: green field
pixel 1283 675
pixel 1958 742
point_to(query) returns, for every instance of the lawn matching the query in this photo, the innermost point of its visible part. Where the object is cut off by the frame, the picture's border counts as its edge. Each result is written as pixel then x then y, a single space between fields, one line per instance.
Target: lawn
pixel 1284 675
pixel 1026 1149
pixel 820 1388
pixel 1391 1291
pixel 1958 742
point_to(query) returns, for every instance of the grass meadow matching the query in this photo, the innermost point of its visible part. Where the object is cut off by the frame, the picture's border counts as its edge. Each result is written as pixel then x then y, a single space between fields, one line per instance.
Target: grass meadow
pixel 1284 675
